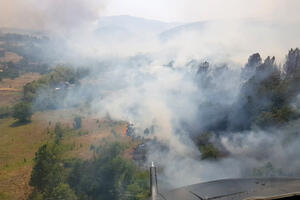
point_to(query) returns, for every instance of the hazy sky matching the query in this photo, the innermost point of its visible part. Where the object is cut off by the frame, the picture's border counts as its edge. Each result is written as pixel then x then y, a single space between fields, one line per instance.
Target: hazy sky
pixel 66 13
pixel 194 10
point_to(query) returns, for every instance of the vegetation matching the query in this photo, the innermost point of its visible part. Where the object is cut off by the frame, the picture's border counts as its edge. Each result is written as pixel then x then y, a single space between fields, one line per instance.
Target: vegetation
pixel 107 176
pixel 22 111
pixel 63 192
pixel 49 91
pixel 267 170
pixel 48 171
pixel 30 50
pixel 264 100
pixel 77 122
pixel 266 96
pixel 206 147
pixel 5 111
pixel 18 145
pixel 10 70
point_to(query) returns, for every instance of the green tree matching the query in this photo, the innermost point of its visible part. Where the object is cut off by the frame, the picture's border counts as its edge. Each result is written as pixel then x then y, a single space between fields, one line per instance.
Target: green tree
pixel 48 171
pixel 63 192
pixel 77 122
pixel 109 176
pixel 139 189
pixel 22 111
pixel 209 152
pixel 35 195
pixel 206 147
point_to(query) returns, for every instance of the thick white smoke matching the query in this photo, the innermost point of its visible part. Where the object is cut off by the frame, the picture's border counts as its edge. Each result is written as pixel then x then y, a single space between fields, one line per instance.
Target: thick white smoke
pixel 153 82
pixel 62 16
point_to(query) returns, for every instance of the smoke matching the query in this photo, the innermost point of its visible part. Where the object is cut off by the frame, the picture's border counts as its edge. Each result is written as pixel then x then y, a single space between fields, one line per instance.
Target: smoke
pixel 176 101
pixel 62 17
pixel 180 101
pixel 155 82
pixel 254 153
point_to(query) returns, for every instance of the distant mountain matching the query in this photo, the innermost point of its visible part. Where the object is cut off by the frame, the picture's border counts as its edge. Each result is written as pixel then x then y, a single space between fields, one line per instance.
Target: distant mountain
pixel 249 29
pixel 121 27
pixel 175 31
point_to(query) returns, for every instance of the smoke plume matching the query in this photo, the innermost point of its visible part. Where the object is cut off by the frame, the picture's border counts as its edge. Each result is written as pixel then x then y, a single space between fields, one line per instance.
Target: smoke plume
pixel 163 83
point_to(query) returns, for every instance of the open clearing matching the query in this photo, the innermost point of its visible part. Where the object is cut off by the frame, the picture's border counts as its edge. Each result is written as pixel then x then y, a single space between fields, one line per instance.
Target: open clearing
pixel 11 57
pixel 11 89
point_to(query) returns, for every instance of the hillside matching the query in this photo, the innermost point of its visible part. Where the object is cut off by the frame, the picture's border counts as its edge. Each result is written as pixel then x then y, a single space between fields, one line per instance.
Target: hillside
pixel 19 142
pixel 18 145
pixel 128 27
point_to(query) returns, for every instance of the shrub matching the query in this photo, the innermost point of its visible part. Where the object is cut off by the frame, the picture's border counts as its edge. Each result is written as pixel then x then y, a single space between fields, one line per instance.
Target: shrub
pixel 77 122
pixel 22 111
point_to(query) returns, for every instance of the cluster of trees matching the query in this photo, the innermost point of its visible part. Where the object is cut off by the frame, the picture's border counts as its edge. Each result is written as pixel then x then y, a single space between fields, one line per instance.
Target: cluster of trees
pixel 10 70
pixel 266 100
pixel 107 176
pixel 206 146
pixel 44 94
pixel 34 48
pixel 50 90
pixel 13 70
pixel 266 96
pixel 31 49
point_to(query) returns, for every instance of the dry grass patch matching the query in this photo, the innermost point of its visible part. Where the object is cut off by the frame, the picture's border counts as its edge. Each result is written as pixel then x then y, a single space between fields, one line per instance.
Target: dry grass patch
pixel 19 144
pixel 11 57
pixel 17 149
pixel 11 89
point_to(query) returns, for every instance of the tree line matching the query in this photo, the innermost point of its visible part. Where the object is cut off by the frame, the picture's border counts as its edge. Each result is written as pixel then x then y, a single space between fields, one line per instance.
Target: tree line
pixel 107 176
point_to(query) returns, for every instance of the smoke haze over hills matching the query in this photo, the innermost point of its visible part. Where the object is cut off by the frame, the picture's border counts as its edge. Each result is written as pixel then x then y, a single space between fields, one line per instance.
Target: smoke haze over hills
pixel 154 74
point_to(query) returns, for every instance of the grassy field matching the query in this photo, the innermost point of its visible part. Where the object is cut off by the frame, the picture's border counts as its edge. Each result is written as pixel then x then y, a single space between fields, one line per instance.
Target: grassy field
pixel 18 145
pixel 11 90
pixel 17 148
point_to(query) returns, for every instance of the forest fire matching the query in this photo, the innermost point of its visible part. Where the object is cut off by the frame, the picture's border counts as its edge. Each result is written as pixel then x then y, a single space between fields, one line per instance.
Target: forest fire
pixel 91 92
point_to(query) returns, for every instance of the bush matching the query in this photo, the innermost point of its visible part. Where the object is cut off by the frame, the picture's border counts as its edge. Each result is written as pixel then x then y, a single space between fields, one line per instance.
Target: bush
pixel 207 149
pixel 63 192
pixel 77 122
pixel 5 111
pixel 44 92
pixel 275 117
pixel 209 152
pixel 268 170
pixel 22 111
